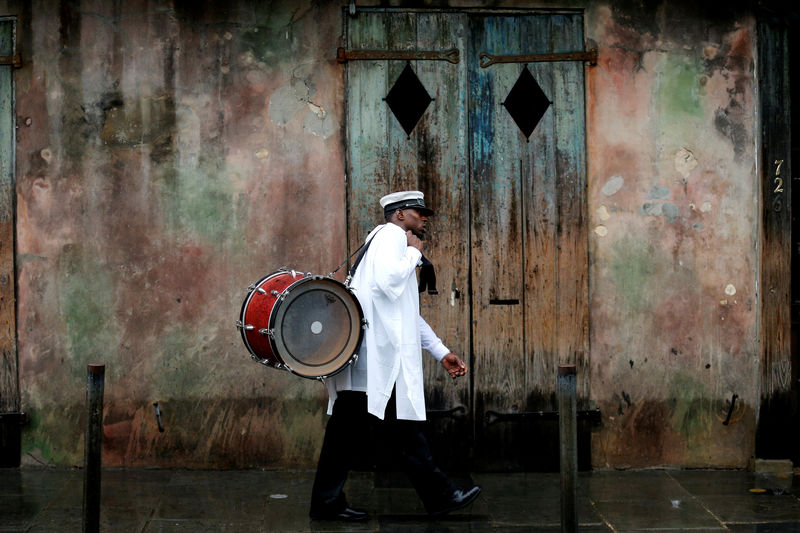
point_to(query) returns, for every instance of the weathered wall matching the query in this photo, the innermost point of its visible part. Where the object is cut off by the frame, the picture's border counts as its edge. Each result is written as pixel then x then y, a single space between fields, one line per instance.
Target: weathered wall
pixel 673 202
pixel 170 155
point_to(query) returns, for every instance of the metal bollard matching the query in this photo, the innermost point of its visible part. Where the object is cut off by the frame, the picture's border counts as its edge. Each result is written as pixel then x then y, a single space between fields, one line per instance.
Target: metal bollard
pixel 93 446
pixel 568 444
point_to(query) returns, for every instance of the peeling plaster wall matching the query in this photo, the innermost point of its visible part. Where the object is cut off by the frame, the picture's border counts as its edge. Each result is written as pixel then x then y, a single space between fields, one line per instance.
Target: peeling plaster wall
pixel 170 155
pixel 673 203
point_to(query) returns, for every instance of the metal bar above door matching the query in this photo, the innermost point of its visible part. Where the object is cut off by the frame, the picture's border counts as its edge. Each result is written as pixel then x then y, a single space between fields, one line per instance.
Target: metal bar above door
pixel 590 56
pixel 452 55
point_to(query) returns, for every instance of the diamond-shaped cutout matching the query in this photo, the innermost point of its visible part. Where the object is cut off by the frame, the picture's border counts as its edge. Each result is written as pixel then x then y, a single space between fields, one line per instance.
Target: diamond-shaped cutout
pixel 526 103
pixel 408 99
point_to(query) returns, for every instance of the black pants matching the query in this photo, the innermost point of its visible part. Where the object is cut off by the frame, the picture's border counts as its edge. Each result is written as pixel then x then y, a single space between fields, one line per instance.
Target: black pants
pixel 347 435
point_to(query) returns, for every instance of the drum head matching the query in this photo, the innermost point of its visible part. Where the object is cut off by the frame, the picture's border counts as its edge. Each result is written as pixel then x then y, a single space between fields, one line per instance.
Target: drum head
pixel 317 327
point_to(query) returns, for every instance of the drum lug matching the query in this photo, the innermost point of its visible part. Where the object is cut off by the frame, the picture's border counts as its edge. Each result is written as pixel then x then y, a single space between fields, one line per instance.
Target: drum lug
pixel 267 332
pixel 246 327
pixel 364 323
pixel 259 360
pixel 252 288
pixel 275 293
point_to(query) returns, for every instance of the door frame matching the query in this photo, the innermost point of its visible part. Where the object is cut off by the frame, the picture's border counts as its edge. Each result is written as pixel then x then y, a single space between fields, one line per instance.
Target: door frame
pixel 11 417
pixel 352 241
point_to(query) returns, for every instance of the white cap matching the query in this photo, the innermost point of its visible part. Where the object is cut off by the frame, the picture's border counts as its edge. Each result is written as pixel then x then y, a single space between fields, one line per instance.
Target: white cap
pixel 405 199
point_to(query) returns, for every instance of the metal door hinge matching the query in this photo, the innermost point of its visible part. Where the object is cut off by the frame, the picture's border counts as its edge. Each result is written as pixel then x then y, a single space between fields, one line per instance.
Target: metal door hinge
pixel 452 55
pixel 15 60
pixel 492 417
pixel 456 412
pixel 590 56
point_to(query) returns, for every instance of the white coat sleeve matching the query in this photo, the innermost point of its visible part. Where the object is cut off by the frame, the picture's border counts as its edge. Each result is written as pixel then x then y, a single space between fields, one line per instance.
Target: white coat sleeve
pixel 430 341
pixel 394 262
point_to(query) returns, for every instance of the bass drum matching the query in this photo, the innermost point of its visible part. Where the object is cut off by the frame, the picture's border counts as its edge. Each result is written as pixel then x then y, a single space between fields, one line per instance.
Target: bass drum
pixel 309 325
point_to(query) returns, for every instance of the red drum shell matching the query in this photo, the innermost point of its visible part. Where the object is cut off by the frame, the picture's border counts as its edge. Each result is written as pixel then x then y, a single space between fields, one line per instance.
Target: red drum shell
pixel 256 310
pixel 314 324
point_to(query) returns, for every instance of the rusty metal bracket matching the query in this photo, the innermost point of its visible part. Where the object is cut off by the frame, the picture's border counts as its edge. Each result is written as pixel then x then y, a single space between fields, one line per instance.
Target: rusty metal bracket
pixel 493 417
pixel 456 412
pixel 590 56
pixel 730 410
pixel 451 56
pixel 15 61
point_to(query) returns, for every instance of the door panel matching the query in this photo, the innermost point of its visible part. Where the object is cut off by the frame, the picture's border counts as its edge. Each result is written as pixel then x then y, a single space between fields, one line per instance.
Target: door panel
pixel 509 237
pixel 528 237
pixel 497 211
pixel 382 158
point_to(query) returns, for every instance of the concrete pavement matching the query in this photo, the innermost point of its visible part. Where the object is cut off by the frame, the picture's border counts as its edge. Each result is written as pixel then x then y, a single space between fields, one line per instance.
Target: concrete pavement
pixel 149 501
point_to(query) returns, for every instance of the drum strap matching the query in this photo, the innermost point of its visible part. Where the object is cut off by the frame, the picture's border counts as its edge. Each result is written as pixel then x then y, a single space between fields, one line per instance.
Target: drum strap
pixel 364 248
pixel 427 275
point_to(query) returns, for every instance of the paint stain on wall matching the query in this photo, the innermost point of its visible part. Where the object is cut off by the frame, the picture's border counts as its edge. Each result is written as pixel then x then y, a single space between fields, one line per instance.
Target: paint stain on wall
pixel 289 99
pixel 680 88
pixel 198 202
pixel 658 193
pixel 87 295
pixel 613 185
pixel 632 270
pixel 295 96
pixel 670 212
pixel 685 162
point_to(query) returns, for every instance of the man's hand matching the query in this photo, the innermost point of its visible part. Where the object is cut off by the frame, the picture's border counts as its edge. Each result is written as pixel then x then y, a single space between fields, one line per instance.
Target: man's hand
pixel 454 365
pixel 413 240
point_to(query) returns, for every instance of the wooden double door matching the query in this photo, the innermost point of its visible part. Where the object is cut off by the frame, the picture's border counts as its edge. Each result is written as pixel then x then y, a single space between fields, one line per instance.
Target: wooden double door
pixel 499 152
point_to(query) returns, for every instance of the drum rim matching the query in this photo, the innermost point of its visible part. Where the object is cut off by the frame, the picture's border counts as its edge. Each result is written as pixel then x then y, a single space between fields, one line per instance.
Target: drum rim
pixel 357 327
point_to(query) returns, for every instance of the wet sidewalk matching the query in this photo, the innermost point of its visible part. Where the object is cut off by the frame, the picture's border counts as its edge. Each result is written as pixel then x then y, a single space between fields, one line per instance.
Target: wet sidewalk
pixel 50 500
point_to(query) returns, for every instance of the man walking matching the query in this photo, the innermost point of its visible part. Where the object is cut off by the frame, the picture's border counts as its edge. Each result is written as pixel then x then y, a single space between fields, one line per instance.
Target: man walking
pixel 385 385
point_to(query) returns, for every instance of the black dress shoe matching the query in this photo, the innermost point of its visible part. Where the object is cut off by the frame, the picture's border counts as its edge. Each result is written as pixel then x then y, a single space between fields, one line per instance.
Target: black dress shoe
pixel 347 514
pixel 458 499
